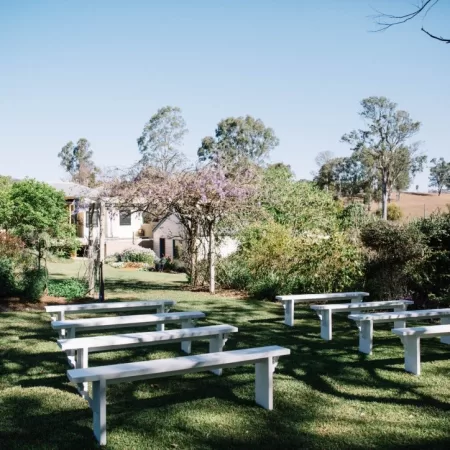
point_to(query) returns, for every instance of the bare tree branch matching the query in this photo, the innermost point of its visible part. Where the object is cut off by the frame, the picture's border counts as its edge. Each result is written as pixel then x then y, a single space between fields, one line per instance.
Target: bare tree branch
pixel 386 21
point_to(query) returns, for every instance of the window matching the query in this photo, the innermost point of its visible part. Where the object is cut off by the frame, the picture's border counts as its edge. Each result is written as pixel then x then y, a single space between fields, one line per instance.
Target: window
pixel 162 247
pixel 175 249
pixel 125 217
pixel 94 219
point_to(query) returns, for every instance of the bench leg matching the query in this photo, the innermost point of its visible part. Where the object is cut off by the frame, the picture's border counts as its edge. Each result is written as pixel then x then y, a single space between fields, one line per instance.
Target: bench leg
pixel 357 300
pixel 186 345
pixel 264 383
pixel 326 324
pixel 160 310
pixel 81 362
pixel 365 336
pixel 400 323
pixel 445 321
pixel 216 344
pixel 99 410
pixel 289 312
pixel 412 354
pixel 70 335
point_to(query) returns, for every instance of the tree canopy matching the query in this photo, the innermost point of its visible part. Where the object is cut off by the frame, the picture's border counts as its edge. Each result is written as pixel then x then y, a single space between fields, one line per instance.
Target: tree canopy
pixel 77 161
pixel 239 138
pixel 383 143
pixel 161 139
pixel 439 174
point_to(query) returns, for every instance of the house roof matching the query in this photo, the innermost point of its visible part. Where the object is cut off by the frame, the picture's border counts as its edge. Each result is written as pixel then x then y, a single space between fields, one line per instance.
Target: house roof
pixel 74 190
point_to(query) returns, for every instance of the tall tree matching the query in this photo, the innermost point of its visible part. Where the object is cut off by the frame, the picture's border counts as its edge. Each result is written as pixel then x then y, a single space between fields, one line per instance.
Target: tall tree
pixel 77 161
pixel 237 139
pixel 39 215
pixel 384 139
pixel 162 138
pixel 5 201
pixel 439 174
pixel 422 9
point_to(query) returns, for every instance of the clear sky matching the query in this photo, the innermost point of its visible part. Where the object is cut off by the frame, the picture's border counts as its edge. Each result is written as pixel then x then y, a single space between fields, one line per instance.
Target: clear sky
pixel 100 69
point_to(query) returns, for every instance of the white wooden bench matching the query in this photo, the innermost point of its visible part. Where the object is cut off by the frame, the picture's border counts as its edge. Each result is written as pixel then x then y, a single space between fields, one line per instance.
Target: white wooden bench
pixel 103 323
pixel 410 338
pixel 289 301
pixel 365 322
pixel 325 312
pixel 264 358
pixel 58 311
pixel 217 335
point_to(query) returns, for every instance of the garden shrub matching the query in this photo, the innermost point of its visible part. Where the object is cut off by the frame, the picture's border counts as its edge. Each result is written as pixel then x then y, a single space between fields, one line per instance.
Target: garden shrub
pixel 394 212
pixel 233 273
pixel 394 252
pixel 137 254
pixel 7 279
pixel 71 288
pixel 280 261
pixel 34 283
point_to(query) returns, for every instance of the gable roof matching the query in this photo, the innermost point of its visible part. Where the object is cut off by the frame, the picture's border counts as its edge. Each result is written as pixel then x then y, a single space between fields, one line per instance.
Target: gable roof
pixel 74 190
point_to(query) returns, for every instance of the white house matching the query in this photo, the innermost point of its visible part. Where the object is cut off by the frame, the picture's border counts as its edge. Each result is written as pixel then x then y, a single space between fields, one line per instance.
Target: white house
pixel 121 227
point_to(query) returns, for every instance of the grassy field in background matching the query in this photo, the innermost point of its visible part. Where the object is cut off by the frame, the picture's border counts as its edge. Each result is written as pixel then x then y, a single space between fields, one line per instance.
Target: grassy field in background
pixel 326 394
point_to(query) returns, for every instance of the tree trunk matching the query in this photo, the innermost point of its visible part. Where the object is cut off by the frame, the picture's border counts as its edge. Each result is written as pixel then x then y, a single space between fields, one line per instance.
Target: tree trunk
pixel 384 198
pixel 212 260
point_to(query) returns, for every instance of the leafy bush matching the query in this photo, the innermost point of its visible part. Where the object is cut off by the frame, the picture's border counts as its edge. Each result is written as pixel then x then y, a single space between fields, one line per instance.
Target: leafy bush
pixel 233 273
pixel 33 284
pixel 394 212
pixel 280 261
pixel 117 264
pixel 7 280
pixel 175 265
pixel 393 253
pixel 137 254
pixel 70 289
pixel 354 215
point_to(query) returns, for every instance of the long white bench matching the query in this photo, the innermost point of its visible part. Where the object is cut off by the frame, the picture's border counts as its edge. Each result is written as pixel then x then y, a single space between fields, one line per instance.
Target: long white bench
pixel 217 335
pixel 325 312
pixel 58 311
pixel 410 338
pixel 103 323
pixel 264 358
pixel 289 301
pixel 365 323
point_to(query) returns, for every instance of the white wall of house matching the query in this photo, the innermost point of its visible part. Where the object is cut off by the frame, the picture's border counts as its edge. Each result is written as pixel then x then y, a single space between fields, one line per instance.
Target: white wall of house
pixel 121 227
pixel 164 235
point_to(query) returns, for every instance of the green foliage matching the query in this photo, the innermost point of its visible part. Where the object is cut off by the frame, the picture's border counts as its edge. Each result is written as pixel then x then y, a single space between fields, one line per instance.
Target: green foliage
pixel 77 160
pixel 8 286
pixel 354 215
pixel 233 273
pixel 382 146
pixel 237 139
pixel 439 174
pixel 34 283
pixel 282 261
pixel 5 201
pixel 393 252
pixel 138 254
pixel 161 139
pixel 70 288
pixel 297 204
pixel 394 212
pixel 39 216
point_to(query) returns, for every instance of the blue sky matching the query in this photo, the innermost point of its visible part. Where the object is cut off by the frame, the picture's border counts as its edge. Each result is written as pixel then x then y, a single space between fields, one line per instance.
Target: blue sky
pixel 100 69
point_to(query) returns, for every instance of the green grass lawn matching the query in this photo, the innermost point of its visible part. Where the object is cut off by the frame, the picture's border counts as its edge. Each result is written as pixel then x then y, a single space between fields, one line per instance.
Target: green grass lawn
pixel 326 394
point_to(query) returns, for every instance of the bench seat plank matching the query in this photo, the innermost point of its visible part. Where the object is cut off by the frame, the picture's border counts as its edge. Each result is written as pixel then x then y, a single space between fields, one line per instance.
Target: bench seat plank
pixel 365 323
pixel 325 312
pixel 411 337
pixel 104 343
pixel 289 301
pixel 58 311
pixel 118 373
pixel 264 358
